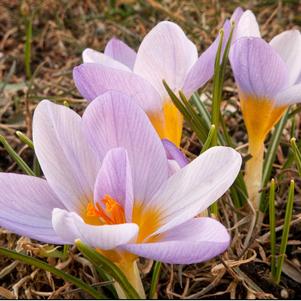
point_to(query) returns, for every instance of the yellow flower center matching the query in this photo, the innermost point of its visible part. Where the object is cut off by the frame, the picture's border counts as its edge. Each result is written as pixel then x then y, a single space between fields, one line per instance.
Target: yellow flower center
pixel 113 213
pixel 170 125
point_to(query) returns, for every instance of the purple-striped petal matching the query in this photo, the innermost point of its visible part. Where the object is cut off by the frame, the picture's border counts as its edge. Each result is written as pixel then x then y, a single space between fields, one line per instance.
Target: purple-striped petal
pixel 202 70
pixel 173 153
pixel 70 226
pixel 93 56
pixel 288 46
pixel 197 240
pixel 93 80
pixel 67 161
pixel 195 187
pixel 115 179
pixel 115 120
pixel 258 70
pixel 121 52
pixel 26 204
pixel 165 53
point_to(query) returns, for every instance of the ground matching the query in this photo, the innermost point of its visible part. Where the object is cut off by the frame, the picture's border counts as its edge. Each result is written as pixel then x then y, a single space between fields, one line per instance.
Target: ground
pixel 60 32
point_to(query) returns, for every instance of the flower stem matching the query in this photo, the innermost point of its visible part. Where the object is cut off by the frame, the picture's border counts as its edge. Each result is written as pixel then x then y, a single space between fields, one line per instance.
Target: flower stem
pixel 253 173
pixel 131 271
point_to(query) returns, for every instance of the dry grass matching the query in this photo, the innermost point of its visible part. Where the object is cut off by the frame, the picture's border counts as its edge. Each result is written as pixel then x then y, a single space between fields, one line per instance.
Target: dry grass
pixel 61 30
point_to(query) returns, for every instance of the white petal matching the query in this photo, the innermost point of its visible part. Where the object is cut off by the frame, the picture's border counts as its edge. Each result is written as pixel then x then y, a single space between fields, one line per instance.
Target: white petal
pixel 288 46
pixel 93 56
pixel 68 163
pixel 70 226
pixel 165 53
pixel 196 186
pixel 247 26
pixel 289 96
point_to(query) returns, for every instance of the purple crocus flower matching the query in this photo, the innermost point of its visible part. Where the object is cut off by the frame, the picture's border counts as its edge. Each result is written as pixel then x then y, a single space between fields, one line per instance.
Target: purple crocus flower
pixel 268 79
pixel 164 54
pixel 107 183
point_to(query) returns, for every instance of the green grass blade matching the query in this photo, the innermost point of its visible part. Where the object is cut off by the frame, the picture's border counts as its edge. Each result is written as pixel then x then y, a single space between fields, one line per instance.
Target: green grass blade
pixel 285 232
pixel 59 273
pixel 155 279
pixel 21 163
pixel 109 267
pixel 23 138
pixel 27 49
pixel 270 158
pixel 297 154
pixel 216 100
pixel 195 124
pixel 209 140
pixel 272 221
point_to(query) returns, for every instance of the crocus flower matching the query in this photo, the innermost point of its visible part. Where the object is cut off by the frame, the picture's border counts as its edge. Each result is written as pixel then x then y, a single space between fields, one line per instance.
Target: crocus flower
pixel 267 78
pixel 164 54
pixel 107 183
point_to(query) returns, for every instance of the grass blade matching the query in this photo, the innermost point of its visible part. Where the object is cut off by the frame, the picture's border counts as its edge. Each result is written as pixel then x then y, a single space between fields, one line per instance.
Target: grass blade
pixel 297 154
pixel 25 139
pixel 27 50
pixel 59 273
pixel 272 227
pixel 270 158
pixel 209 140
pixel 155 279
pixel 21 163
pixel 285 231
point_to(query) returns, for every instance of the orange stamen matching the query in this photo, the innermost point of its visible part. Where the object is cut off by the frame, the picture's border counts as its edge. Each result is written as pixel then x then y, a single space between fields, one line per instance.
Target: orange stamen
pixel 112 214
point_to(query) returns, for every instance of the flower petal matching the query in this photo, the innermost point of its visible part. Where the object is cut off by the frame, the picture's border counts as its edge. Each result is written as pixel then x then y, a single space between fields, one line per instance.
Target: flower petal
pixel 202 70
pixel 238 12
pixel 197 240
pixel 121 52
pixel 67 161
pixel 93 80
pixel 196 186
pixel 70 226
pixel 247 26
pixel 93 56
pixel 289 96
pixel 288 46
pixel 173 153
pixel 165 53
pixel 114 120
pixel 26 204
pixel 115 179
pixel 258 70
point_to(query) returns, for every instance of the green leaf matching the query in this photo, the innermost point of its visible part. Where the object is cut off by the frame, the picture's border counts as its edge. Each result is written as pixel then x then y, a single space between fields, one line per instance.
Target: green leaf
pixel 46 267
pixel 272 221
pixel 21 163
pixel 270 158
pixel 209 140
pixel 27 50
pixel 297 154
pixel 193 119
pixel 155 279
pixel 109 267
pixel 285 231
pixel 25 139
